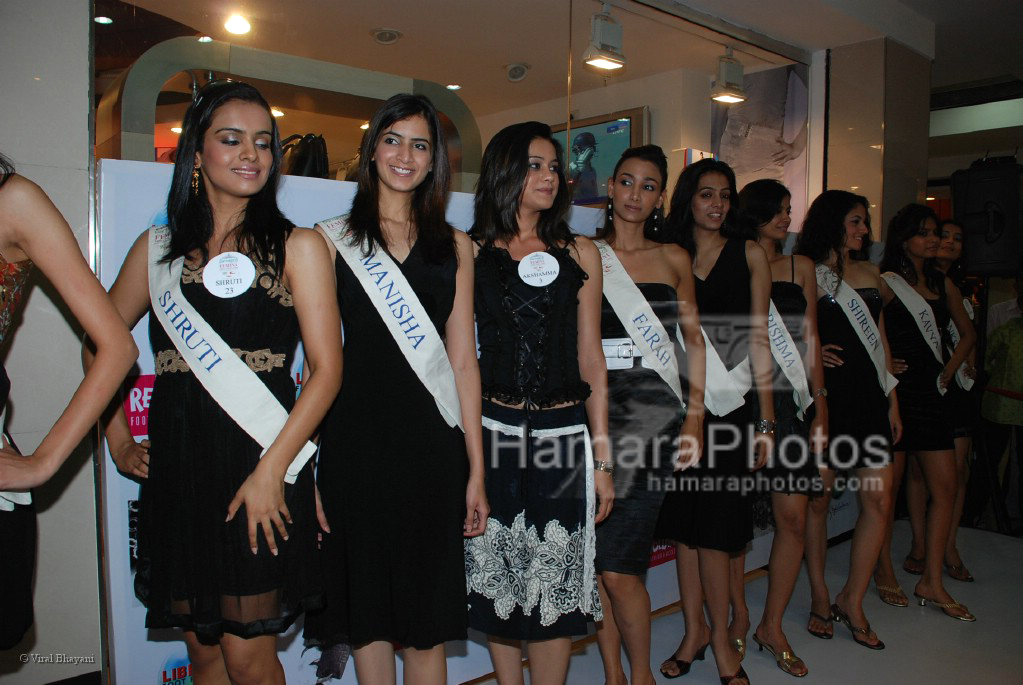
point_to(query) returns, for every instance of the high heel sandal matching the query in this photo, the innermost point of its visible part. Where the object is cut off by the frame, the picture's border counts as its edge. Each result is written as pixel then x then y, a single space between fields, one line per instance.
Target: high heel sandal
pixel 785 659
pixel 822 634
pixel 959 572
pixel 843 617
pixel 913 565
pixel 682 665
pixel 892 595
pixel 739 675
pixel 947 608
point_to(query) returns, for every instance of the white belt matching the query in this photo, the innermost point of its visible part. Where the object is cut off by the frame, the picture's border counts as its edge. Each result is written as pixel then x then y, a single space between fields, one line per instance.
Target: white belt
pixel 620 352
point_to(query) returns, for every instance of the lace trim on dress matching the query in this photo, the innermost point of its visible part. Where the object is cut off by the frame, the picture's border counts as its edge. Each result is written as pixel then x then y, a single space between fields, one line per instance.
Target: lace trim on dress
pixel 578 392
pixel 274 287
pixel 516 567
pixel 170 361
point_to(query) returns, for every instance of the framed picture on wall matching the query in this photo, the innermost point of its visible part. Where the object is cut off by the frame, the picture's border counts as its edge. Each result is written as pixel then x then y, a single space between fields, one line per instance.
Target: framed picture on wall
pixel 594 145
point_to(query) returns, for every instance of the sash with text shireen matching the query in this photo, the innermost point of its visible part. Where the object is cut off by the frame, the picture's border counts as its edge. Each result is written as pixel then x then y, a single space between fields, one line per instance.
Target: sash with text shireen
pixel 861 321
pixel 404 315
pixel 639 319
pixel 228 380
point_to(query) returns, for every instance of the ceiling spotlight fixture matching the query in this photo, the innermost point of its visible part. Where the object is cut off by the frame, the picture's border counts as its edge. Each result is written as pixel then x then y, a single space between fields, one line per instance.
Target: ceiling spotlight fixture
pixel 605 48
pixel 364 126
pixel 103 20
pixel 386 36
pixel 728 87
pixel 453 86
pixel 930 199
pixel 205 39
pixel 175 129
pixel 237 24
pixel 277 111
pixel 516 72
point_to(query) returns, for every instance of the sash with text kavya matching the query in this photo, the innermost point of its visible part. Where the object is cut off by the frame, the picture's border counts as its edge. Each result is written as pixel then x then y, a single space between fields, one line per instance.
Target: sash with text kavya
pixel 404 316
pixel 921 312
pixel 639 319
pixel 228 380
pixel 861 321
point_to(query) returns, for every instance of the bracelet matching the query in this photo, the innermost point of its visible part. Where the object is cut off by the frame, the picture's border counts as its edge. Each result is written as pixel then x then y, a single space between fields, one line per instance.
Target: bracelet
pixel 764 426
pixel 605 466
pixel 820 392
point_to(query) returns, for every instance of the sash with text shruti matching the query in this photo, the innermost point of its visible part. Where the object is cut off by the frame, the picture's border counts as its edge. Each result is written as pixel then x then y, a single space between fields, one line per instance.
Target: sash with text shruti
pixel 404 316
pixel 228 380
pixel 922 315
pixel 861 321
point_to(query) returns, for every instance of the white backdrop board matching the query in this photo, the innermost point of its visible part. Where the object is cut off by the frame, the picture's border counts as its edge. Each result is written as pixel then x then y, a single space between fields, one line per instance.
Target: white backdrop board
pixel 132 197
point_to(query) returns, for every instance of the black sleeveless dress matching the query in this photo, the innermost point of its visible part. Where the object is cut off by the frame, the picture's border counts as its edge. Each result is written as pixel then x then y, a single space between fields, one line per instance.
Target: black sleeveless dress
pixel 195 571
pixel 859 435
pixel 708 505
pixel 392 477
pixel 927 421
pixel 644 419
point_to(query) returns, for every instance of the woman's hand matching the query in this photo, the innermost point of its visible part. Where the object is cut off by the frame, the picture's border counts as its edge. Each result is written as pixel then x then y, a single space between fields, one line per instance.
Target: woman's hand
pixel 899 366
pixel 829 356
pixel 21 473
pixel 819 429
pixel 895 421
pixel 132 458
pixel 946 376
pixel 477 509
pixel 763 444
pixel 605 489
pixel 262 495
pixel 690 442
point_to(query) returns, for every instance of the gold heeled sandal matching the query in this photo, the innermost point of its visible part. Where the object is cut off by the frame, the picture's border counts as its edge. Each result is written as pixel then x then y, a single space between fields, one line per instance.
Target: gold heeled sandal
pixel 785 659
pixel 892 595
pixel 948 608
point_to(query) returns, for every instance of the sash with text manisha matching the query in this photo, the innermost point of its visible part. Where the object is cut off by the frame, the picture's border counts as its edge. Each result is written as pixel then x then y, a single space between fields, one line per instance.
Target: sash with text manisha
pixel 404 316
pixel 228 380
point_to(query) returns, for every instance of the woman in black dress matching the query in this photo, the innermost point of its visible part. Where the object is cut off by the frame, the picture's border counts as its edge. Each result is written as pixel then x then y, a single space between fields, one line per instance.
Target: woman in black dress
pixel 399 481
pixel 791 475
pixel 531 575
pixel 708 512
pixel 232 585
pixel 910 251
pixel 863 415
pixel 647 422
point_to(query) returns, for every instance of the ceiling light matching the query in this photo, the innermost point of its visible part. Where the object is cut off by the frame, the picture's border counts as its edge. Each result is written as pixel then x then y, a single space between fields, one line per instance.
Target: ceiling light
pixel 728 87
pixel 516 72
pixel 237 24
pixel 205 39
pixel 453 86
pixel 386 36
pixel 175 129
pixel 277 111
pixel 605 48
pixel 103 20
pixel 365 126
pixel 930 199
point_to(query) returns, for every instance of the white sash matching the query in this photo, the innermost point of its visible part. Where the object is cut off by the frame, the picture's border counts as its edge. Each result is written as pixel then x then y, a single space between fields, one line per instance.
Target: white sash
pixel 964 381
pixel 228 380
pixel 860 320
pixel 921 312
pixel 724 391
pixel 405 317
pixel 639 320
pixel 786 354
pixel 9 499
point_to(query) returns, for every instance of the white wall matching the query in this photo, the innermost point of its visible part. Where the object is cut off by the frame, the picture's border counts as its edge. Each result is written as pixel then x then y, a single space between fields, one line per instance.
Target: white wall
pixel 679 103
pixel 44 47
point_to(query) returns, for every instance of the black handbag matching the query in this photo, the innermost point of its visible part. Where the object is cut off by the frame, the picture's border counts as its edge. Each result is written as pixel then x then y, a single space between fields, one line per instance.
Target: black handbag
pixel 305 155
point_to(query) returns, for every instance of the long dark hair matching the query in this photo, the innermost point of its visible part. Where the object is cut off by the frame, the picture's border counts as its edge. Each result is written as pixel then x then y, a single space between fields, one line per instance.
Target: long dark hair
pixel 824 227
pixel 957 269
pixel 648 153
pixel 502 178
pixel 903 226
pixel 429 199
pixel 759 202
pixel 263 230
pixel 6 169
pixel 679 224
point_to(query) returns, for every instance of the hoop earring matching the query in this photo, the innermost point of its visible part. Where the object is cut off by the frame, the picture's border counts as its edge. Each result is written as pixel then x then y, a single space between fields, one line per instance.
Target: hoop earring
pixel 195 181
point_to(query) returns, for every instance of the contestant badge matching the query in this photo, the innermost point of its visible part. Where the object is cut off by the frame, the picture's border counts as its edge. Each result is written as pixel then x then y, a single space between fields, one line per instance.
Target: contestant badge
pixel 229 274
pixel 538 269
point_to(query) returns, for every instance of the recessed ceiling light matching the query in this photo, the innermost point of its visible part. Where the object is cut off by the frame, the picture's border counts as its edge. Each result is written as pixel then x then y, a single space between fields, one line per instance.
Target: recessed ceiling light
pixel 453 86
pixel 237 24
pixel 205 39
pixel 930 199
pixel 386 36
pixel 175 129
pixel 277 111
pixel 365 126
pixel 854 187
pixel 103 20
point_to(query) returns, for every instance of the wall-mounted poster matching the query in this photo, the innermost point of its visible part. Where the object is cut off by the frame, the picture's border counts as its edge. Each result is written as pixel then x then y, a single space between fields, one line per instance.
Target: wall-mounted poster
pixel 592 148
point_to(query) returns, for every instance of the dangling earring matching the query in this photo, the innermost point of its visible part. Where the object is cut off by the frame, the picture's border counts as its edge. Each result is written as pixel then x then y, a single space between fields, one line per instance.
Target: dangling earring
pixel 658 219
pixel 195 181
pixel 610 212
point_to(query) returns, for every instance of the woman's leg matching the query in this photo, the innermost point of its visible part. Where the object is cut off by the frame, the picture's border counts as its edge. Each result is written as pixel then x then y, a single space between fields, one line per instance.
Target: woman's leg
pixel 884 573
pixel 875 494
pixel 963 445
pixel 548 661
pixel 208 667
pixel 631 618
pixel 697 635
pixel 783 568
pixel 816 549
pixel 916 502
pixel 716 577
pixel 374 663
pixel 425 666
pixel 738 628
pixel 507 657
pixel 609 639
pixel 253 661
